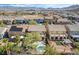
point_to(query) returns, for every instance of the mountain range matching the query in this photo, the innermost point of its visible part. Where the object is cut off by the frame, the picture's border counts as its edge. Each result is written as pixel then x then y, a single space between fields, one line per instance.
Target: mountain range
pixel 40 6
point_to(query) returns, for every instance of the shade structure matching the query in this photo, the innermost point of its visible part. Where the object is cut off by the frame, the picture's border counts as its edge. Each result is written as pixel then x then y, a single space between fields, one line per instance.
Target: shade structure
pixel 67 41
pixel 75 36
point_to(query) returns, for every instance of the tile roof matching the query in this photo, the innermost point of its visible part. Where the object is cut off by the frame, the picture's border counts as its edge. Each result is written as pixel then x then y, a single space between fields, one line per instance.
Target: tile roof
pixel 74 27
pixel 36 28
pixel 57 28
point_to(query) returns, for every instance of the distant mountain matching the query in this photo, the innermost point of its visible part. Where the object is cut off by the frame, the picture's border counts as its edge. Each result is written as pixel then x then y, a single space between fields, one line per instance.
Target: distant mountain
pixel 35 7
pixel 73 7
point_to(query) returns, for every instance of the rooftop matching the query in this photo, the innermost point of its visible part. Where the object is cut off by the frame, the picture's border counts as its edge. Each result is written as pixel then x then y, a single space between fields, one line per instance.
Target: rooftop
pixel 63 20
pixel 36 28
pixel 49 17
pixel 19 18
pixel 6 17
pixel 2 29
pixel 74 27
pixel 57 28
pixel 33 17
pixel 16 28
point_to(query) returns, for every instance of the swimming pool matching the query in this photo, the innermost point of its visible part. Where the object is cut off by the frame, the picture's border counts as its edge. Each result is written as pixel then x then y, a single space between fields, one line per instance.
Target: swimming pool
pixel 40 47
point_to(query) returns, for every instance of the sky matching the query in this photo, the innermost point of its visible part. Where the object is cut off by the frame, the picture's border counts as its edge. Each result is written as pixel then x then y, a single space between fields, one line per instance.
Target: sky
pixel 38 5
pixel 39 1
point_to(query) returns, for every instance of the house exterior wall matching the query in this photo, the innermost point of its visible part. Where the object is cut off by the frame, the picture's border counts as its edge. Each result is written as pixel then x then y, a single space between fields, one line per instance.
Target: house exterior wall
pixel 1 36
pixel 58 35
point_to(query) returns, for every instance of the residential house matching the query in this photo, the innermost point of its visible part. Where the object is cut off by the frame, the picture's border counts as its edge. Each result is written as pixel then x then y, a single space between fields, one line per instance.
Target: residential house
pixel 37 28
pixel 17 30
pixel 57 32
pixel 32 17
pixel 63 21
pixel 37 18
pixel 73 31
pixel 20 20
pixel 7 19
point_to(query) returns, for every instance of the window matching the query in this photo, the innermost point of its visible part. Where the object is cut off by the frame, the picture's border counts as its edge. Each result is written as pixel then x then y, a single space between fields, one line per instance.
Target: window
pixel 52 37
pixel 60 38
pixel 56 38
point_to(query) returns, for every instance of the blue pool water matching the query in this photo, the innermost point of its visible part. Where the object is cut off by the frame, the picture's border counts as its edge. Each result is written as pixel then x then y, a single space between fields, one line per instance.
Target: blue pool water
pixel 40 47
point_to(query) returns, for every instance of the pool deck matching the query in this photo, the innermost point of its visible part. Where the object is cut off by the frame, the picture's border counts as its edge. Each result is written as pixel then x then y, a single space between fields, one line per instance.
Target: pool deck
pixel 60 48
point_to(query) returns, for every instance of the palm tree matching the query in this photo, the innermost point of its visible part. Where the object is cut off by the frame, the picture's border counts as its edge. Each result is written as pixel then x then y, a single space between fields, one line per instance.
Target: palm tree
pixel 50 50
pixel 76 51
pixel 25 42
pixel 31 37
pixel 2 50
pixel 17 39
pixel 5 40
pixel 47 32
pixel 28 39
pixel 16 50
pixel 37 36
pixel 10 46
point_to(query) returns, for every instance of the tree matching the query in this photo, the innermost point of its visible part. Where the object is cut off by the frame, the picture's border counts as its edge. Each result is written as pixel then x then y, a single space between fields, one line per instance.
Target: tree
pixel 4 40
pixel 37 36
pixel 25 42
pixel 1 23
pixel 28 40
pixel 17 50
pixel 30 37
pixel 33 13
pixel 17 39
pixel 2 50
pixel 9 47
pixel 50 50
pixel 33 22
pixel 47 32
pixel 76 51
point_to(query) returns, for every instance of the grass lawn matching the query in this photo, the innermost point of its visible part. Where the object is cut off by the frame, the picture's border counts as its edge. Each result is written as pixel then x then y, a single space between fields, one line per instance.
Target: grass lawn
pixel 59 42
pixel 77 44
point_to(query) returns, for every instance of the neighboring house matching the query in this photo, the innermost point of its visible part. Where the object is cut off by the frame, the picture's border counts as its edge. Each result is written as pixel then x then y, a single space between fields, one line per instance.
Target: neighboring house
pixel 33 17
pixel 40 21
pixel 49 19
pixel 17 30
pixel 63 21
pixel 26 18
pixel 73 31
pixel 20 20
pixel 37 28
pixel 38 18
pixel 57 32
pixel 7 19
pixel 3 32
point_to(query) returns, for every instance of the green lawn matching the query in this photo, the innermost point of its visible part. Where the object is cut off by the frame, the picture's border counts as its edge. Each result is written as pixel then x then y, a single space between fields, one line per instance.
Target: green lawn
pixel 77 44
pixel 59 42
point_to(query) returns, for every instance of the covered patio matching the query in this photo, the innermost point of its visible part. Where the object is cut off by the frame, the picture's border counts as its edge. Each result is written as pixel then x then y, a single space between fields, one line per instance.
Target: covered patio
pixel 58 37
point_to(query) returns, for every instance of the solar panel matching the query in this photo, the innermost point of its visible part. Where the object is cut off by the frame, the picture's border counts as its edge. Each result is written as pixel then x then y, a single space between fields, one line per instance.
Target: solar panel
pixel 14 28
